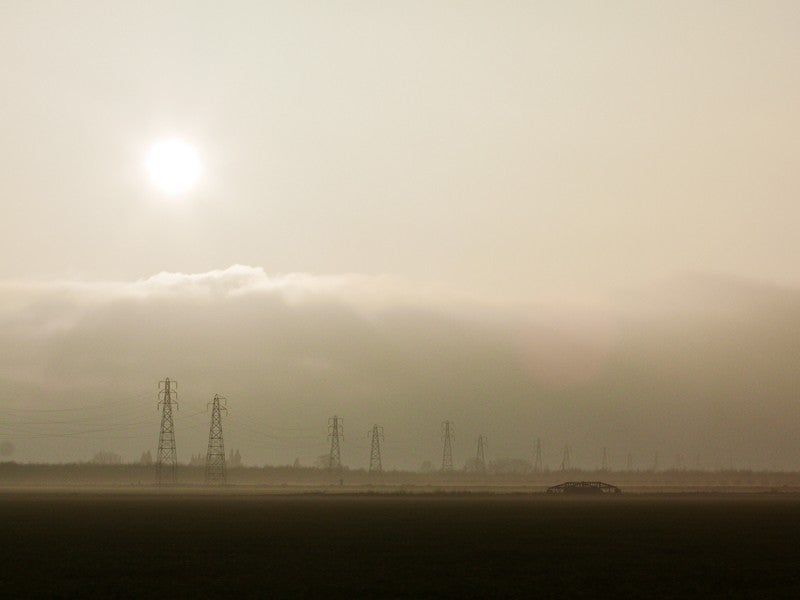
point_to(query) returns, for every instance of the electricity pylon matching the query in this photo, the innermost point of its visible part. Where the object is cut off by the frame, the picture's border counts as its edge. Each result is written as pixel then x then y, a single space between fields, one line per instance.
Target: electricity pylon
pixel 447 450
pixel 215 457
pixel 604 466
pixel 376 436
pixel 537 457
pixel 166 464
pixel 335 433
pixel 565 459
pixel 480 459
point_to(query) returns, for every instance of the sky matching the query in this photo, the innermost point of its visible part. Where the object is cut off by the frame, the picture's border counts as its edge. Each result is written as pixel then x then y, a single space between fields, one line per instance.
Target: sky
pixel 577 216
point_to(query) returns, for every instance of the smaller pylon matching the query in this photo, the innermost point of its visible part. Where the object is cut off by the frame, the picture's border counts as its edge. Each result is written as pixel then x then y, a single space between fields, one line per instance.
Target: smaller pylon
pixel 480 459
pixel 565 459
pixel 215 456
pixel 376 437
pixel 447 449
pixel 537 457
pixel 335 434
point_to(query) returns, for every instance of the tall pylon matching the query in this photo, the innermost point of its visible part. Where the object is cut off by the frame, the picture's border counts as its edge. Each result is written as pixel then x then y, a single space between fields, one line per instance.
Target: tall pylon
pixel 167 461
pixel 537 457
pixel 480 459
pixel 565 459
pixel 447 450
pixel 335 434
pixel 604 466
pixel 376 436
pixel 215 456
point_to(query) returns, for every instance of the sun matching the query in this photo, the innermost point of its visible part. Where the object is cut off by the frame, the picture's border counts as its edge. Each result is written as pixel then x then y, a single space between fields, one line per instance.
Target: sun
pixel 173 166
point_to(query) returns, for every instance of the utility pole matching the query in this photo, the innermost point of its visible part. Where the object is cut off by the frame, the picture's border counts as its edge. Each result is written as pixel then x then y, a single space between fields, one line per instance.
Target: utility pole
pixel 215 457
pixel 167 462
pixel 605 459
pixel 447 450
pixel 565 459
pixel 335 434
pixel 537 457
pixel 376 436
pixel 480 460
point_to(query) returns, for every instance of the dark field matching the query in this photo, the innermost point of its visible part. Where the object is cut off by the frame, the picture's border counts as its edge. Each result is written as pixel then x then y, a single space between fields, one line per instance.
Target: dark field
pixel 415 546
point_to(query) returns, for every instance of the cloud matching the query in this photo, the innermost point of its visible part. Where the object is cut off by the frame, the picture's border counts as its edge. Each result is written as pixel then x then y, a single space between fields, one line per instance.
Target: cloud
pixel 704 367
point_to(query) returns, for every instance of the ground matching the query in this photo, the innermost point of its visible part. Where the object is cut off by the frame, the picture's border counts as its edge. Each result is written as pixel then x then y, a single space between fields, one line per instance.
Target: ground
pixel 189 543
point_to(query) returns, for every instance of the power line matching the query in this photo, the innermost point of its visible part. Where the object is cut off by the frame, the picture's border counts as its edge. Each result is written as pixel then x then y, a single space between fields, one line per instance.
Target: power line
pixel 114 404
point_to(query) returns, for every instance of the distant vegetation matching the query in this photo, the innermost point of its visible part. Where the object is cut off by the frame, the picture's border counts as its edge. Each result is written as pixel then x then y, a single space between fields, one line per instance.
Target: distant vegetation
pixel 106 458
pixel 105 469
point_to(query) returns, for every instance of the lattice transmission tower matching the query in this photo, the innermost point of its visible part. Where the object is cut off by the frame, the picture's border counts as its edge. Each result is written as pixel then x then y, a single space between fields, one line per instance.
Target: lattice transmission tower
pixel 537 457
pixel 167 461
pixel 480 458
pixel 215 456
pixel 447 450
pixel 336 434
pixel 376 437
pixel 565 459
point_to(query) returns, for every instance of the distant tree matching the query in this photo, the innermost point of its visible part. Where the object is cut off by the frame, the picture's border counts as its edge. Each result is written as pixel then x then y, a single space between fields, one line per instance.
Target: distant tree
pixel 472 466
pixel 197 460
pixel 234 459
pixel 146 459
pixel 106 458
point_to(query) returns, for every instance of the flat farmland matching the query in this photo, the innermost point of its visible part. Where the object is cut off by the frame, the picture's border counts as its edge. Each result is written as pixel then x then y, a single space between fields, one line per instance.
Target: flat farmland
pixel 185 543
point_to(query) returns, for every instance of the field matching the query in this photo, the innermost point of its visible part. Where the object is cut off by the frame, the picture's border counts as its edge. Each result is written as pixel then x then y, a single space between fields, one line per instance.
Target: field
pixel 193 543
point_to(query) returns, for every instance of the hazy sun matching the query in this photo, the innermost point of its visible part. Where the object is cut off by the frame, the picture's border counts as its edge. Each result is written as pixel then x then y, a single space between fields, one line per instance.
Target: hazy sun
pixel 173 166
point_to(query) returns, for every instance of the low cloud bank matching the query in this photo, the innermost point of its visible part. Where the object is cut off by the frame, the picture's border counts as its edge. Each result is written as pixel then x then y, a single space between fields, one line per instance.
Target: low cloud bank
pixel 703 371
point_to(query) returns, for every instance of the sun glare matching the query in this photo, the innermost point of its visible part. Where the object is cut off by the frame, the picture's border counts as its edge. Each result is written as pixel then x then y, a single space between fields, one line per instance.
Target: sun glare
pixel 173 166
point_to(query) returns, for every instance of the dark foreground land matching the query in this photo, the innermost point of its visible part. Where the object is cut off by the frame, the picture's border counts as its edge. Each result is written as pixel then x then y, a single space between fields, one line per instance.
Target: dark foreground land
pixel 181 544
